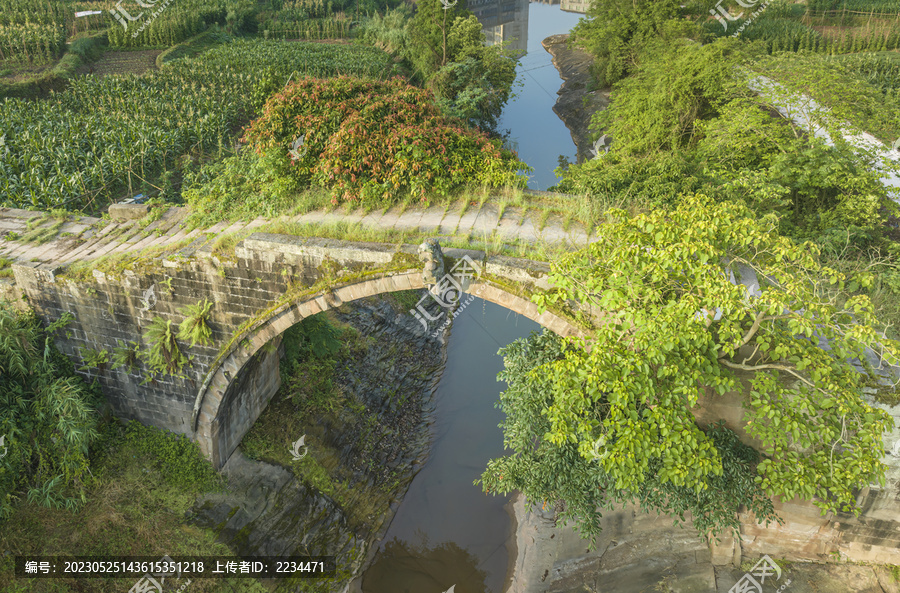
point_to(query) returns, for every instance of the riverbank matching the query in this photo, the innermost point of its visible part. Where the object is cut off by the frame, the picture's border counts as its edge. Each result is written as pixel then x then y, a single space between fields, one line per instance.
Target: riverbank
pixel 639 552
pixel 576 104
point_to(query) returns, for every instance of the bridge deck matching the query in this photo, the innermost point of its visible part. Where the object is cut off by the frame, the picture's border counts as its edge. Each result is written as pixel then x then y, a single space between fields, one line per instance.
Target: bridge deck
pixel 86 238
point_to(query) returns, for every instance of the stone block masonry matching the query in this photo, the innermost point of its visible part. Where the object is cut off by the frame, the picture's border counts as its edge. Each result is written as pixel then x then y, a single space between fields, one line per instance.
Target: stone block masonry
pixel 116 308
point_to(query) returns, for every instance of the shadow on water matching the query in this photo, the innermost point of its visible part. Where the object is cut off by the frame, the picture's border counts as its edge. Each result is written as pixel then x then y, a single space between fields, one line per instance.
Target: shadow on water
pixel 403 567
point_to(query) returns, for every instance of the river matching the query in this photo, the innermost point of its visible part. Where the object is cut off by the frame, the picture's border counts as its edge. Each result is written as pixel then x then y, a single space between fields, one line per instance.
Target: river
pixel 446 530
pixel 535 131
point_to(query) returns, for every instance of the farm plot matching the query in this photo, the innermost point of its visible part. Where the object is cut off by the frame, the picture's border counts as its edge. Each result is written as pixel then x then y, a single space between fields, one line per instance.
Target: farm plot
pixel 90 144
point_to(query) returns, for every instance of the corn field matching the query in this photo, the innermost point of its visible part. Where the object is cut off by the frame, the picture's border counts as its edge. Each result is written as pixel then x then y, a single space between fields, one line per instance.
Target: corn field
pixel 781 33
pixel 332 28
pixel 835 7
pixel 32 43
pixel 180 20
pixel 877 70
pixel 90 144
pixel 35 31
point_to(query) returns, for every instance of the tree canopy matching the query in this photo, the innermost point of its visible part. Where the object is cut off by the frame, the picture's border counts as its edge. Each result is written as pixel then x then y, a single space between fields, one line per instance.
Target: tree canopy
pixel 613 414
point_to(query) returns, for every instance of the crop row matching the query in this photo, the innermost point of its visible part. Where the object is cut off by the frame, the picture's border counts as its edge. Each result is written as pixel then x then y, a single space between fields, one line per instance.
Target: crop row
pixel 84 145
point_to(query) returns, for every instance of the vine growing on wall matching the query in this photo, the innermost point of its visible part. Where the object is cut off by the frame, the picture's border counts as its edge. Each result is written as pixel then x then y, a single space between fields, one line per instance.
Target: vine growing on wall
pixel 94 359
pixel 125 355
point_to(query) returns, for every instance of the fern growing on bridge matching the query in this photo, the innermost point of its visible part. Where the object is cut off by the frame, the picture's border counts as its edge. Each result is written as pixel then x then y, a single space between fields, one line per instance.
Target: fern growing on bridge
pixel 163 356
pixel 195 327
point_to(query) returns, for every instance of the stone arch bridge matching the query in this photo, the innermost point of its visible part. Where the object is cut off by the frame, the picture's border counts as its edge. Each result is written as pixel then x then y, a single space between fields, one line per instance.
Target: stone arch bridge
pixel 264 284
pixel 259 287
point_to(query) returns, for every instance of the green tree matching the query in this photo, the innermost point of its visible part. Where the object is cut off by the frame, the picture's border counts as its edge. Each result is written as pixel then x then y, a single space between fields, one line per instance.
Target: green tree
pixel 47 416
pixel 686 121
pixel 619 28
pixel 675 328
pixel 478 81
pixel 429 30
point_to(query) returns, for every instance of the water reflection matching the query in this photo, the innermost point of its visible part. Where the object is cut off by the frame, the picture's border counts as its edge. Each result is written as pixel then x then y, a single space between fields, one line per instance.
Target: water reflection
pixel 503 20
pixel 403 567
pixel 535 131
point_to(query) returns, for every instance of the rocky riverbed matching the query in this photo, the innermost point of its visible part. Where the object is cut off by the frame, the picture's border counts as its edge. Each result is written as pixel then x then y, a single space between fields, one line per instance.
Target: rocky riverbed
pixel 576 104
pixel 375 446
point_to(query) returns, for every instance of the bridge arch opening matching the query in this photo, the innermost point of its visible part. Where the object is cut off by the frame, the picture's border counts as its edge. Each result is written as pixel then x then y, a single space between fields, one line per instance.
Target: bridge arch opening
pixel 222 415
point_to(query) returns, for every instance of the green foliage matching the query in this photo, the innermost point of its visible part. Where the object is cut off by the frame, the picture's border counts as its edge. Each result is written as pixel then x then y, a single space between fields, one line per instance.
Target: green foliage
pixel 125 355
pixel 245 186
pixel 388 32
pixel 31 42
pixel 372 140
pixel 38 233
pixel 176 457
pixel 429 34
pixel 309 362
pixel 93 359
pixel 677 84
pixel 618 28
pixel 195 327
pixel 182 20
pixel 476 84
pixel 556 473
pixel 6 270
pixel 676 328
pixel 685 123
pixel 861 90
pixel 47 414
pixel 163 354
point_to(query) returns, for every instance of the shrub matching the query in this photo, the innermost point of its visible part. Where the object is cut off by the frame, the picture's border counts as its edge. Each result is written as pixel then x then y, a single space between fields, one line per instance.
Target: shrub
pixel 376 140
pixel 163 356
pixel 177 458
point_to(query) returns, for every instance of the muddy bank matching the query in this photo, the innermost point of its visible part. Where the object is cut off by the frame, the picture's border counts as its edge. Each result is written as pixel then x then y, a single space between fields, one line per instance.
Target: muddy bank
pixel 576 104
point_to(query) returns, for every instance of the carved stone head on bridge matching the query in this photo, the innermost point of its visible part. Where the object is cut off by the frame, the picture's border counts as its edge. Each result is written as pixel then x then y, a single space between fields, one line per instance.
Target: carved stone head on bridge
pixel 430 253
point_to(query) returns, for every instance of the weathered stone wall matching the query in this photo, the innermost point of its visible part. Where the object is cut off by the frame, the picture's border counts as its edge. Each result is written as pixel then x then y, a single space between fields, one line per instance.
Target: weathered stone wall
pixel 806 534
pixel 220 396
pixel 248 395
pixel 110 309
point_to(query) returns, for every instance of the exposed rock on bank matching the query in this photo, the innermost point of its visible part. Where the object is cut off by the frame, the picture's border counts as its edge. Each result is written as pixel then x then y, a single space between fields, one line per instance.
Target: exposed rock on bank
pixel 377 446
pixel 576 104
pixel 641 552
